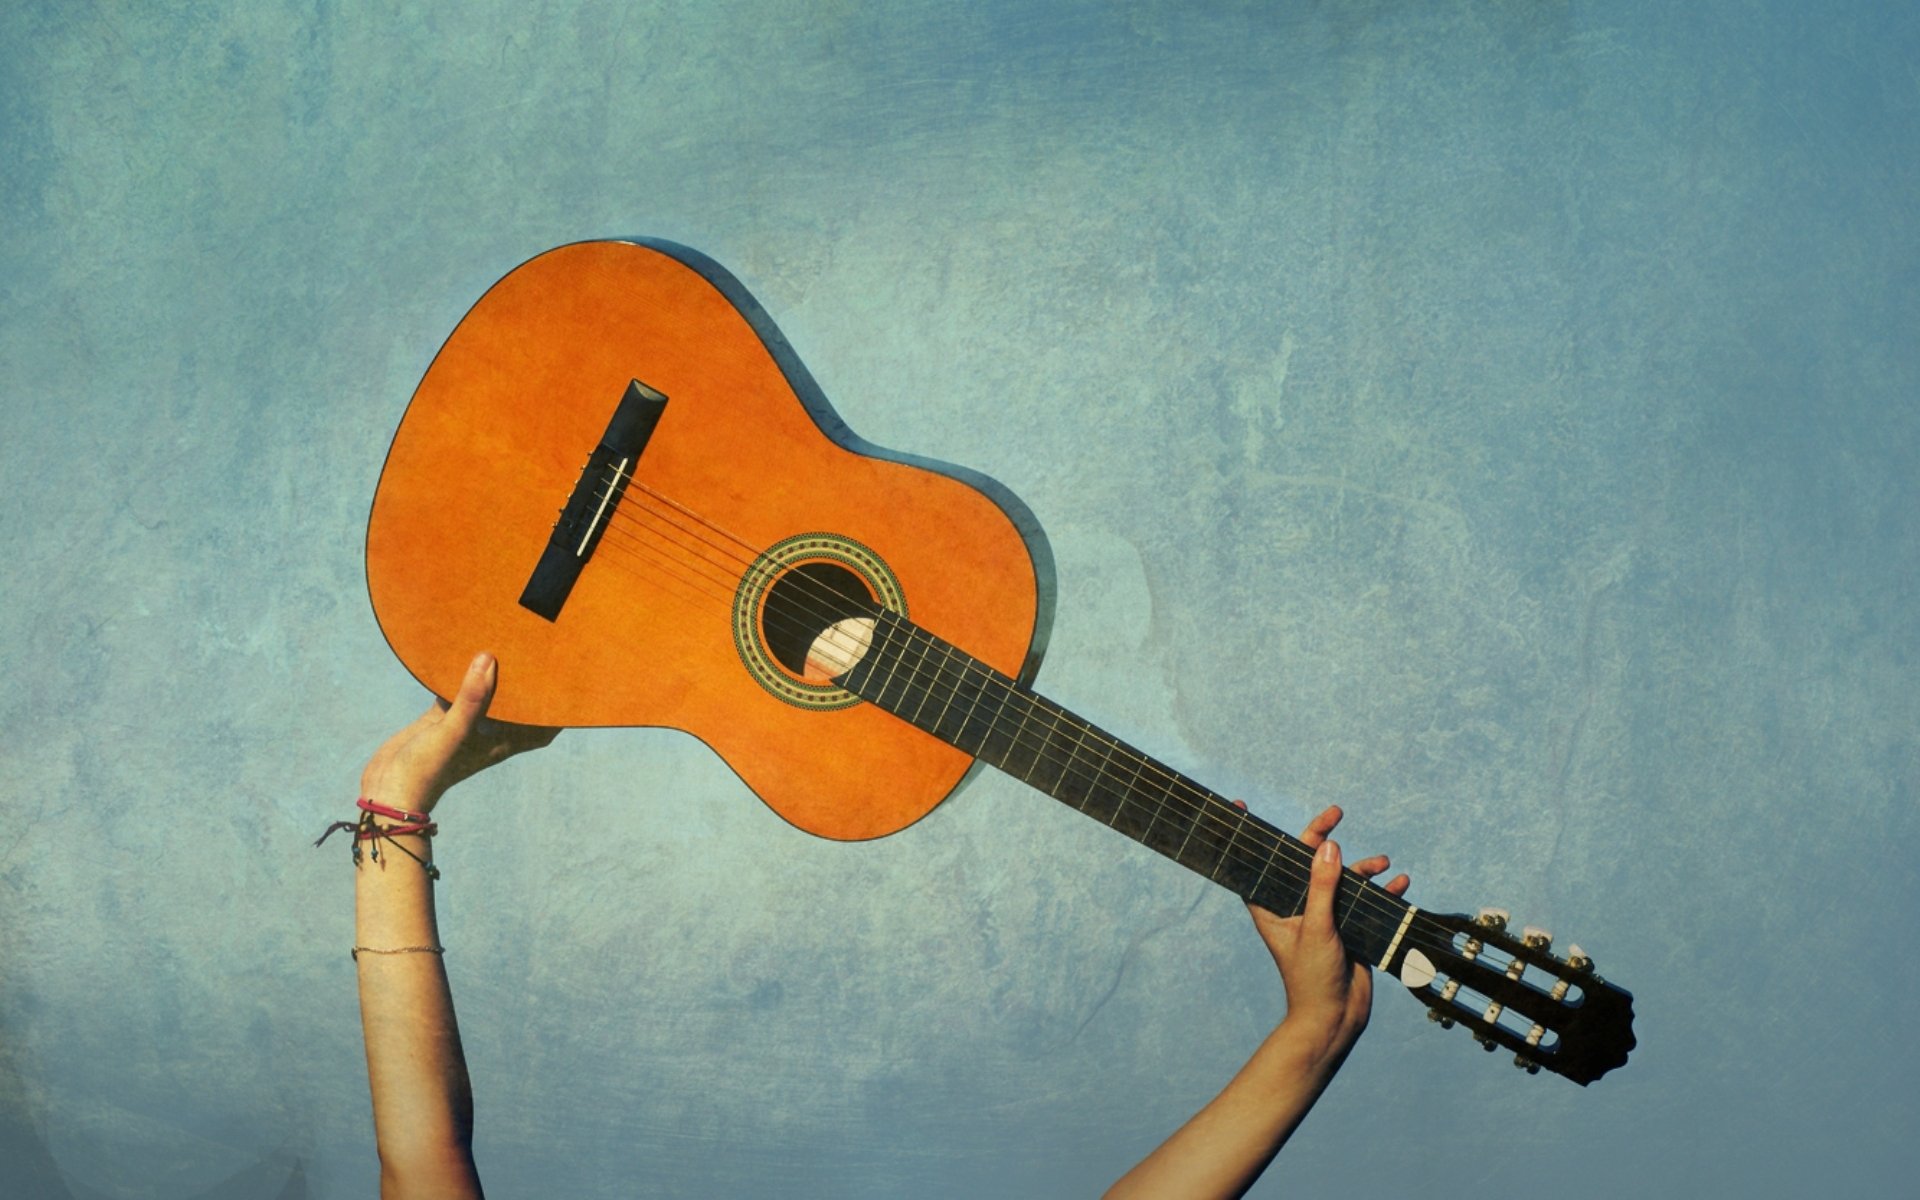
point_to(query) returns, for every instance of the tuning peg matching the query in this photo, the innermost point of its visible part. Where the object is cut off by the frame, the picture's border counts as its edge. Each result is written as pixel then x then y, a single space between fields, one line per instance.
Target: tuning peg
pixel 1494 918
pixel 1577 958
pixel 1536 937
pixel 1486 1043
pixel 1526 1064
pixel 1439 1018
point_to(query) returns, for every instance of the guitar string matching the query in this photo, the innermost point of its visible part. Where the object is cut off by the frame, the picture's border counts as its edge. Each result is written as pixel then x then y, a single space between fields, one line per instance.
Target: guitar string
pixel 1230 822
pixel 1439 938
pixel 1132 757
pixel 1221 814
pixel 1365 891
pixel 1212 809
pixel 1228 818
pixel 1458 1006
pixel 1364 902
pixel 1217 814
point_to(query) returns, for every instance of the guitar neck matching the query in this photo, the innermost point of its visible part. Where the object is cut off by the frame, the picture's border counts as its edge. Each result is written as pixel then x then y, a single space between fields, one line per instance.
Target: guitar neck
pixel 964 702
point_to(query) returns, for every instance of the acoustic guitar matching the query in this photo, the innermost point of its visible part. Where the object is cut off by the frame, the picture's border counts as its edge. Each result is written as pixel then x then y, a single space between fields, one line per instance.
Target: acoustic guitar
pixel 617 476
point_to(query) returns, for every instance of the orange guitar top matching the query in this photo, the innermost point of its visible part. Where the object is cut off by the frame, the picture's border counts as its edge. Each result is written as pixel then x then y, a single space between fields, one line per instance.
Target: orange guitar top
pixel 663 625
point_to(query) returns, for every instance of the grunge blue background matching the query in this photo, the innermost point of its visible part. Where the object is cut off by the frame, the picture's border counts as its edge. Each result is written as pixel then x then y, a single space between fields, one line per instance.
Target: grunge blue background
pixel 1498 418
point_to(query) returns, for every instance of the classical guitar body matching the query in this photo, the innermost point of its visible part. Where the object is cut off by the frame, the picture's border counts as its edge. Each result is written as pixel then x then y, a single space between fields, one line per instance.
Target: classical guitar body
pixel 662 625
pixel 618 478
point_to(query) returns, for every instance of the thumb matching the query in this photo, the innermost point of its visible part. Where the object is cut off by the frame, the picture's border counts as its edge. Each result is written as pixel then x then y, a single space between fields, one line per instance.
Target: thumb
pixel 469 704
pixel 1322 887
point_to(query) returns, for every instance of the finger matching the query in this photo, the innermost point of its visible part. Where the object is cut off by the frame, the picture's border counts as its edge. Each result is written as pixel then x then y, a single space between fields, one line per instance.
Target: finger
pixel 1399 885
pixel 1367 868
pixel 1321 887
pixel 469 704
pixel 1322 825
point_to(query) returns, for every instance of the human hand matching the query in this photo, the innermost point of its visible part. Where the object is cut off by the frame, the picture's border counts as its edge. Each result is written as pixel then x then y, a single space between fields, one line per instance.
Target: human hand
pixel 447 743
pixel 1328 993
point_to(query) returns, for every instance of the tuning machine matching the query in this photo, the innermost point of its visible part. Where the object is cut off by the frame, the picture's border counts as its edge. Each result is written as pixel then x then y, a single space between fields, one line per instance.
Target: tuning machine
pixel 1493 918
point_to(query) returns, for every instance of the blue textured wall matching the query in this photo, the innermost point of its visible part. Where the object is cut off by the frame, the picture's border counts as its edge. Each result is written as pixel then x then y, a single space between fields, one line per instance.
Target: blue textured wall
pixel 1498 418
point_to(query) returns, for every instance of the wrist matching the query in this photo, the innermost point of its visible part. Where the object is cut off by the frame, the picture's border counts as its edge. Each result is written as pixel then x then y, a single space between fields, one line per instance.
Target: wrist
pixel 1319 1040
pixel 406 830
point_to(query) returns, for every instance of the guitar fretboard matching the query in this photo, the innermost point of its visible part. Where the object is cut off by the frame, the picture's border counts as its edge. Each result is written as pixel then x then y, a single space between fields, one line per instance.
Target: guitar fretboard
pixel 964 702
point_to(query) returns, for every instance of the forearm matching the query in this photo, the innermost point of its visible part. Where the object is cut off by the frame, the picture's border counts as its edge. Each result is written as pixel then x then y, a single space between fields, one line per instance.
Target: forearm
pixel 422 1102
pixel 1223 1149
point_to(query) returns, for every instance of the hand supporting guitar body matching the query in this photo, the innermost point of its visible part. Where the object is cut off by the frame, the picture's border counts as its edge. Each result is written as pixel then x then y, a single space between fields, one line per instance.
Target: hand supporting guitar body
pixel 422 1102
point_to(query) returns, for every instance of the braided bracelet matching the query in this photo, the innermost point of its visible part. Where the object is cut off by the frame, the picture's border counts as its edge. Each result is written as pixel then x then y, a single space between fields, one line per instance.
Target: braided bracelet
pixel 366 829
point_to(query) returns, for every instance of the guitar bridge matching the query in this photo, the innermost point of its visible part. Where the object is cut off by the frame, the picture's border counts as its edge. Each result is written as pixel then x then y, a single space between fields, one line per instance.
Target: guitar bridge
pixel 584 518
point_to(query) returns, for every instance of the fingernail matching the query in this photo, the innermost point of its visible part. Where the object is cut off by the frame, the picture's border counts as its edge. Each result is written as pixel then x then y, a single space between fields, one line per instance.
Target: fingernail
pixel 1329 852
pixel 479 662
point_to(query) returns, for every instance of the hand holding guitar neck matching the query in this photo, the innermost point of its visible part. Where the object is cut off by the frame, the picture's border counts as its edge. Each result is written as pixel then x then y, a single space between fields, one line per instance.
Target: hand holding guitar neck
pixel 1328 992
pixel 1224 1148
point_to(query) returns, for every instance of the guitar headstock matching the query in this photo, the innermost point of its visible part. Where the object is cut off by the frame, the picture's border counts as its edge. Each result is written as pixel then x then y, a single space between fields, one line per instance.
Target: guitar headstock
pixel 1553 1012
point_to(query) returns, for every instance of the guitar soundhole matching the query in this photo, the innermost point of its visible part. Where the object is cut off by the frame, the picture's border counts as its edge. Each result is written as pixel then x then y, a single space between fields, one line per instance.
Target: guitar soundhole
pixel 804 613
pixel 804 603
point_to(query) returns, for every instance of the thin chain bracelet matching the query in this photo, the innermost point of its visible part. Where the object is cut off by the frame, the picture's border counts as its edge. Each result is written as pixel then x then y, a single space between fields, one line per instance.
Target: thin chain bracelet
pixel 357 951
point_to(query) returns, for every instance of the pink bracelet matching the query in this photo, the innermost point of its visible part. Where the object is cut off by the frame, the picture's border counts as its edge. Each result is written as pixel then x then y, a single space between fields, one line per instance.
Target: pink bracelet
pixel 369 804
pixel 408 822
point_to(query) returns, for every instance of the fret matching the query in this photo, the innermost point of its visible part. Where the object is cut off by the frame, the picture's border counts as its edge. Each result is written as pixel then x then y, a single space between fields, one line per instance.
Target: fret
pixel 1282 887
pixel 893 688
pixel 1018 751
pixel 1239 868
pixel 858 678
pixel 1134 810
pixel 963 695
pixel 1175 814
pixel 967 704
pixel 914 689
pixel 926 680
pixel 1052 749
pixel 946 703
pixel 1066 742
pixel 988 701
pixel 1103 798
pixel 1209 827
pixel 1375 923
pixel 999 746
